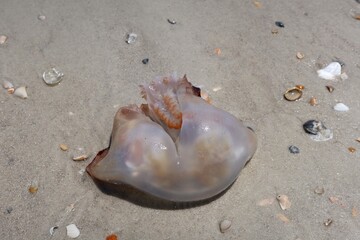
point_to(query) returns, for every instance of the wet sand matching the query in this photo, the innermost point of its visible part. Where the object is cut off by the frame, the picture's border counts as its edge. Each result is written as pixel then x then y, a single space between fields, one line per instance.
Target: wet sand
pixel 86 40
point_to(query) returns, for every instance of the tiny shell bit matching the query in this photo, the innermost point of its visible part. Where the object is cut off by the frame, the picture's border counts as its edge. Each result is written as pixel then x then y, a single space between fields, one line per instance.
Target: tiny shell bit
pixel 177 147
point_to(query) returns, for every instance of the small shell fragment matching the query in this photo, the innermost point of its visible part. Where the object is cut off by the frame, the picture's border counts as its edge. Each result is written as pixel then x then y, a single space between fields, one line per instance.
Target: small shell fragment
pixel 257 4
pixel 11 90
pixel 217 51
pixel 52 230
pixel 63 147
pixel 72 231
pixel 351 149
pixel 131 38
pixel 283 201
pixel 274 31
pixel 293 94
pixel 266 202
pixel 280 24
pixel 330 88
pixel 80 158
pixel 294 149
pixel 21 92
pixel 171 21
pixel 112 237
pixel 3 39
pixel 328 222
pixel 41 17
pixel 300 55
pixel 33 188
pixel 319 190
pixel 313 101
pixel 358 139
pixel 52 76
pixel 282 218
pixel 317 130
pixel 340 107
pixel 224 225
pixel 354 212
pixel 330 72
pixel 7 85
pixel 333 199
pixel 301 87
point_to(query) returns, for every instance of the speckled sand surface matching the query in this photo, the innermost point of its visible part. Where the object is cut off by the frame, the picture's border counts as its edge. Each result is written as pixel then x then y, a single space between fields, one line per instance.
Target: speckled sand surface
pixel 86 40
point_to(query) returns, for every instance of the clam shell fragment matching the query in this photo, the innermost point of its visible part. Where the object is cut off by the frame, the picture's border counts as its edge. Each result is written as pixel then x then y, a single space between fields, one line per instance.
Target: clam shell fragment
pixel 284 201
pixel 21 92
pixel 293 94
pixel 72 231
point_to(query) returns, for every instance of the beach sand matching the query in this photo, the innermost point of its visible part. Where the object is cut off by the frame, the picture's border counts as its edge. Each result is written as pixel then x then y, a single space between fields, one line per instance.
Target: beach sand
pixel 86 40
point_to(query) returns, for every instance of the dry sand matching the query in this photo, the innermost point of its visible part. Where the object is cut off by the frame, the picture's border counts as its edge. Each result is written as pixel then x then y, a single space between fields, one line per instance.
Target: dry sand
pixel 86 40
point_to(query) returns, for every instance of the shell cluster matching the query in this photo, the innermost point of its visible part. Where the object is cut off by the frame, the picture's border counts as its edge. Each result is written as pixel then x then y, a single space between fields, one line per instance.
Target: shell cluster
pixel 177 147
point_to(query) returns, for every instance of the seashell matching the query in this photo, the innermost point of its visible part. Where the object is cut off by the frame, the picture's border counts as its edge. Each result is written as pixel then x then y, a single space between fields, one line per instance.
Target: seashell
pixel 112 237
pixel 171 21
pixel 21 92
pixel 354 212
pixel 224 225
pixel 294 149
pixel 52 230
pixel 340 107
pixel 283 201
pixel 80 158
pixel 328 222
pixel 63 147
pixel 7 84
pixel 176 147
pixel 131 38
pixel 313 101
pixel 3 39
pixel 72 231
pixel 352 149
pixel 330 88
pixel 317 130
pixel 319 190
pixel 300 55
pixel 330 72
pixel 293 94
pixel 301 87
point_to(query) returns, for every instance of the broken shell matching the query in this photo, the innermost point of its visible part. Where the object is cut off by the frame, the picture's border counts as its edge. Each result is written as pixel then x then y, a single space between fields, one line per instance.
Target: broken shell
pixel 33 188
pixel 313 101
pixel 301 87
pixel 358 139
pixel 81 157
pixel 351 149
pixel 331 71
pixel 319 190
pixel 333 199
pixel 317 130
pixel 300 55
pixel 63 147
pixel 52 76
pixel 6 84
pixel 282 218
pixel 340 107
pixel 217 51
pixel 171 21
pixel 52 230
pixel 294 149
pixel 72 231
pixel 330 88
pixel 112 237
pixel 21 92
pixel 293 94
pixel 328 222
pixel 177 147
pixel 3 39
pixel 274 31
pixel 354 212
pixel 283 201
pixel 224 225
pixel 131 38
pixel 11 90
pixel 41 17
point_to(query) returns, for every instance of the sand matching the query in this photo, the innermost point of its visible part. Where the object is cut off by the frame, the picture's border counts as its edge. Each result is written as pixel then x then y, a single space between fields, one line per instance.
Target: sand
pixel 86 40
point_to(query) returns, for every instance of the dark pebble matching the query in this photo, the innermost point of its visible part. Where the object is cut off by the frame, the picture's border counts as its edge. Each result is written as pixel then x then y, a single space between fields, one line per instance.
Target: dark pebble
pixel 279 24
pixel 145 61
pixel 9 210
pixel 171 21
pixel 313 127
pixel 294 149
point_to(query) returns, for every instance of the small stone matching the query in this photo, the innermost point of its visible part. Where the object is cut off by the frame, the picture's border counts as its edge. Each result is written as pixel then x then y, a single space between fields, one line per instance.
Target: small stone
pixel 72 231
pixel 294 149
pixel 280 24
pixel 319 190
pixel 3 39
pixel 80 158
pixel 131 38
pixel 171 21
pixel 53 76
pixel 224 225
pixel 63 147
pixel 351 149
pixel 145 61
pixel 340 107
pixel 313 101
pixel 41 17
pixel 9 210
pixel 300 55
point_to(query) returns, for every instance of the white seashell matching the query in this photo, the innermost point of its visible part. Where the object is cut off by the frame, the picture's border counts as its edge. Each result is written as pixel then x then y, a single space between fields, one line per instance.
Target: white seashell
pixel 21 92
pixel 72 231
pixel 3 39
pixel 52 230
pixel 225 225
pixel 340 107
pixel 330 72
pixel 7 84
